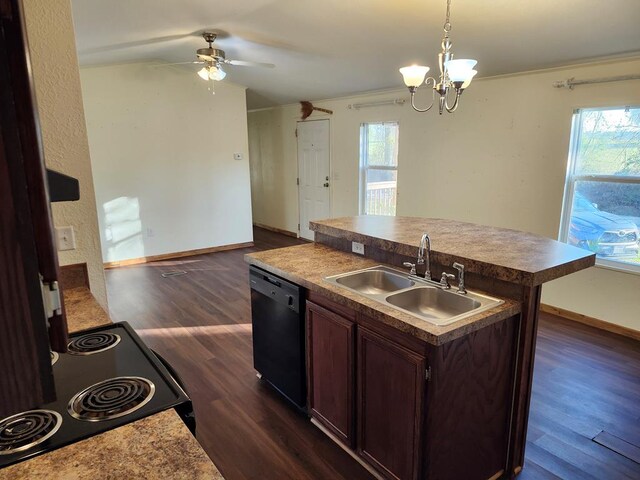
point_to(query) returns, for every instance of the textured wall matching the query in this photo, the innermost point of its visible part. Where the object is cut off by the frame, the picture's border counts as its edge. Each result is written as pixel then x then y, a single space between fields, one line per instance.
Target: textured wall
pixel 162 150
pixel 499 160
pixel 57 83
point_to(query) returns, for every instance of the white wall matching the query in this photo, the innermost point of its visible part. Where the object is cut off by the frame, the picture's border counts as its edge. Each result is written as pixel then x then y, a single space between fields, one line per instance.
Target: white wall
pixel 499 160
pixel 57 84
pixel 162 150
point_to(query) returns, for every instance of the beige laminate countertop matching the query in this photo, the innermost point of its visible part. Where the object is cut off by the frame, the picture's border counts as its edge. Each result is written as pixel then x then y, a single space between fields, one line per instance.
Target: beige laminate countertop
pixel 504 254
pixel 156 447
pixel 83 311
pixel 308 264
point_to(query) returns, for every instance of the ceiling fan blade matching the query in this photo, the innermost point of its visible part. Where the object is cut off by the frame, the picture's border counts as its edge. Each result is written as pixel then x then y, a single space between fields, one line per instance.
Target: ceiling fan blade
pixel 193 62
pixel 136 43
pixel 242 63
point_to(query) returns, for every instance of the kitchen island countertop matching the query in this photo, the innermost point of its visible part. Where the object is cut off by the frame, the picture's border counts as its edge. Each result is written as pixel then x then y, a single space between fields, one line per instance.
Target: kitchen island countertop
pixel 504 254
pixel 308 265
pixel 156 447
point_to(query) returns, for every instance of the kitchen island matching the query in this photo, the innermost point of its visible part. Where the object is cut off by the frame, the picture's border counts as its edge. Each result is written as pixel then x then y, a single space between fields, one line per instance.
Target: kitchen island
pixel 156 447
pixel 408 398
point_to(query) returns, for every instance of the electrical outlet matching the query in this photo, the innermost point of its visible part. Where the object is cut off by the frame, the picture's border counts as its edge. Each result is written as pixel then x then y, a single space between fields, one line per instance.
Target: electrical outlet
pixel 237 156
pixel 357 247
pixel 150 232
pixel 65 238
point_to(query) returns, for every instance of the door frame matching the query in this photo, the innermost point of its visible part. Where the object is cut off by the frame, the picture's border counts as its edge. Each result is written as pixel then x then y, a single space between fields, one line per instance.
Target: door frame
pixel 328 119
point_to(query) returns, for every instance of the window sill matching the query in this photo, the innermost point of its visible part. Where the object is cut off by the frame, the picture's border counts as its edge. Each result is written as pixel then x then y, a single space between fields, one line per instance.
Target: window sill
pixel 617 266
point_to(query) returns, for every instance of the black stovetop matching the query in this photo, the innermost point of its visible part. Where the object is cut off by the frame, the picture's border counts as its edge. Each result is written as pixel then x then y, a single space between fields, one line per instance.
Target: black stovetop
pixel 73 373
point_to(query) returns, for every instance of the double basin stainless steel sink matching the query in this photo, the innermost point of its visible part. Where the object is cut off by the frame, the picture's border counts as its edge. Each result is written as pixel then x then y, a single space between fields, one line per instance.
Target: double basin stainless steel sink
pixel 416 296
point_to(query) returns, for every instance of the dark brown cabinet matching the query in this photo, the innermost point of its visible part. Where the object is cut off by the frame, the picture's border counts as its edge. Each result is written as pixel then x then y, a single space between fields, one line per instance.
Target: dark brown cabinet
pixel 391 383
pixel 407 409
pixel 364 379
pixel 331 365
pixel 27 250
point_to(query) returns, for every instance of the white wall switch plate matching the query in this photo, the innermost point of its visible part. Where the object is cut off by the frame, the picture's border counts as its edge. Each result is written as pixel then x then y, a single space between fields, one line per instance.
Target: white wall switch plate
pixel 65 238
pixel 357 247
pixel 237 156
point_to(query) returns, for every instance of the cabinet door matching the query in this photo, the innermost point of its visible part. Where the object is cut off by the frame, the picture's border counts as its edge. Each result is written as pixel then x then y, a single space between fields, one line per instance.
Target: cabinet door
pixel 331 371
pixel 26 239
pixel 391 385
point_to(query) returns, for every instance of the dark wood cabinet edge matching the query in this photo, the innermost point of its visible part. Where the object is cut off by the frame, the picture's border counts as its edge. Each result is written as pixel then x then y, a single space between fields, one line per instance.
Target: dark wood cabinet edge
pixel 33 158
pixel 526 349
pixel 421 384
pixel 330 305
pixel 337 433
pixel 404 339
pixel 348 438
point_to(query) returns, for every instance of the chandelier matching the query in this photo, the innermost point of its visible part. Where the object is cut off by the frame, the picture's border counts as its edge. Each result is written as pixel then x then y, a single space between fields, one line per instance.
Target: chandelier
pixel 455 75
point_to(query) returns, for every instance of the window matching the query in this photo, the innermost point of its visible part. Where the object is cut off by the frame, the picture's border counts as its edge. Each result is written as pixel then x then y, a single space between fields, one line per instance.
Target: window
pixel 601 211
pixel 378 168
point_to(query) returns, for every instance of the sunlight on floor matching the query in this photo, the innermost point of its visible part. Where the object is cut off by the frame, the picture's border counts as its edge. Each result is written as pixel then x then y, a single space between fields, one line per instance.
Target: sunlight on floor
pixel 194 331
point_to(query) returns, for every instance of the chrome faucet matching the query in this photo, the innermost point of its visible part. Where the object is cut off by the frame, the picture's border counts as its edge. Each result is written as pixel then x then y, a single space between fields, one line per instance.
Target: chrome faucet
pixel 444 280
pixel 460 268
pixel 425 247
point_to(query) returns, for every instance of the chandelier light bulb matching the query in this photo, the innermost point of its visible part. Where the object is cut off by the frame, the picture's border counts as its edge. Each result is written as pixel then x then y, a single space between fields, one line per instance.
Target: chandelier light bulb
pixel 467 82
pixel 460 70
pixel 413 75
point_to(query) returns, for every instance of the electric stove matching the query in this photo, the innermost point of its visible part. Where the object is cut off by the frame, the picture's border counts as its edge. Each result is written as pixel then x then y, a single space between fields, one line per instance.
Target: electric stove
pixel 108 378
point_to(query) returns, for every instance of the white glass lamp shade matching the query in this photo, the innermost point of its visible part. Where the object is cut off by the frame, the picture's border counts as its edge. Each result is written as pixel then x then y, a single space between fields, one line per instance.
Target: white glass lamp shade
pixel 467 82
pixel 204 73
pixel 413 76
pixel 216 73
pixel 460 70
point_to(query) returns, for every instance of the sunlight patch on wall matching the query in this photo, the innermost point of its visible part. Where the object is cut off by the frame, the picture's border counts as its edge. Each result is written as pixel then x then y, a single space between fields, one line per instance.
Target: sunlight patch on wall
pixel 123 229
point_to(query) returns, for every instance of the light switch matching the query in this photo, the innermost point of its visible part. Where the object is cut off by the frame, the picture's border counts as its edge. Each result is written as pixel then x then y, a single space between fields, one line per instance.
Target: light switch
pixel 65 238
pixel 237 156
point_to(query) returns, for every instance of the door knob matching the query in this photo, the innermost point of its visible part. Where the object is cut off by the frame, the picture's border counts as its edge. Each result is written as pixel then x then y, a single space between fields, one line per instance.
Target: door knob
pixel 326 184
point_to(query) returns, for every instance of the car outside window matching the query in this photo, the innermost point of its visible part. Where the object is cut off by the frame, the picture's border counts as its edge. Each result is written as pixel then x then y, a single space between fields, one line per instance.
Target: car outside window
pixel 378 168
pixel 601 208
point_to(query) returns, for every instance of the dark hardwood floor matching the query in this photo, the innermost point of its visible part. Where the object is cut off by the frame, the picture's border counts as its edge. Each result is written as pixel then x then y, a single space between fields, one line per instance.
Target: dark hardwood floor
pixel 586 381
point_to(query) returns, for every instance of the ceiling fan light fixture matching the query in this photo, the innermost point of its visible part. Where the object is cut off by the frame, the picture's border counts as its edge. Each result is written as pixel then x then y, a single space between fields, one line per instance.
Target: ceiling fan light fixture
pixel 216 73
pixel 204 73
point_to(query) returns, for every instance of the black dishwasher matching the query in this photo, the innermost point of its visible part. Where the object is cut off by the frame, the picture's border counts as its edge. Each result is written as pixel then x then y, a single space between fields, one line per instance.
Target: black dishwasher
pixel 277 315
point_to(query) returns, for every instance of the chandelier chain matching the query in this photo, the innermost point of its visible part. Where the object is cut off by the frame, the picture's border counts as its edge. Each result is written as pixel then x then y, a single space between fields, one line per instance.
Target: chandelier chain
pixel 447 23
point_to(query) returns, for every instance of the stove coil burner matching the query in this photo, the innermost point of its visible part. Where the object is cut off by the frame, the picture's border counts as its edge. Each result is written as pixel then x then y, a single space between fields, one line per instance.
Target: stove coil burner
pixel 111 398
pixel 93 343
pixel 54 357
pixel 25 430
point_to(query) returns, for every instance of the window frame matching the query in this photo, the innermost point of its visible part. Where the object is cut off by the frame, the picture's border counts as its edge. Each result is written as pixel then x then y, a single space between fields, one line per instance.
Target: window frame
pixel 571 178
pixel 364 166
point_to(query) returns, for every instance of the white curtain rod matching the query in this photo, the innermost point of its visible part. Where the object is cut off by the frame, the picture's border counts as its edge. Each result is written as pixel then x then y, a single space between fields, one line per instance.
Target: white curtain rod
pixel 356 106
pixel 572 82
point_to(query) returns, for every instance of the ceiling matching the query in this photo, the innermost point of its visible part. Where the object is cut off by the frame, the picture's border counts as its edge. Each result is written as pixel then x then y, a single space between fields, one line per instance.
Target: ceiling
pixel 329 48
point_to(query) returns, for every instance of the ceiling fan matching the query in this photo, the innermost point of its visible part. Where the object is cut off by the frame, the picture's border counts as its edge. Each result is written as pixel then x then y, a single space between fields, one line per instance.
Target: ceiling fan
pixel 213 59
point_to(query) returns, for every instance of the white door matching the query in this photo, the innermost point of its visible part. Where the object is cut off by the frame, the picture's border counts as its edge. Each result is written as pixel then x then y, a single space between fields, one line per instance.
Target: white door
pixel 313 173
